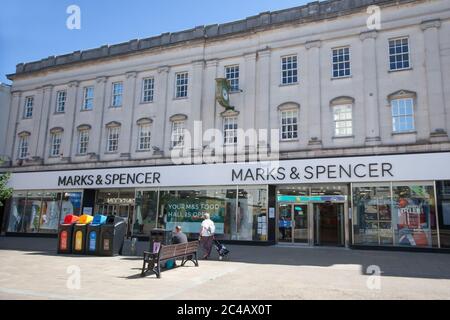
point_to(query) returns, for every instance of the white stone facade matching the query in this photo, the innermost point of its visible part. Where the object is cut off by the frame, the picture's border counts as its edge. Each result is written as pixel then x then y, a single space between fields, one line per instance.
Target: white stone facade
pixel 5 101
pixel 368 89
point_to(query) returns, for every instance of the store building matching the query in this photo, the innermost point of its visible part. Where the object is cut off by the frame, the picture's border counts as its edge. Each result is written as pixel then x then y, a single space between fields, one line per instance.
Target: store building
pixel 362 114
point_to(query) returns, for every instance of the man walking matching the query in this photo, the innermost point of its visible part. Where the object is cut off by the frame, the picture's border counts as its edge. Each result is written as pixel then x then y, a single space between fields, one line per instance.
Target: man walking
pixel 207 235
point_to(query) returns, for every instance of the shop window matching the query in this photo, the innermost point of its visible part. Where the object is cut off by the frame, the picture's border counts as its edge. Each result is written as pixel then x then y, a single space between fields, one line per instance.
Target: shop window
pixel 414 215
pixel 372 222
pixel 50 212
pixel 146 212
pixel 403 214
pixel 251 215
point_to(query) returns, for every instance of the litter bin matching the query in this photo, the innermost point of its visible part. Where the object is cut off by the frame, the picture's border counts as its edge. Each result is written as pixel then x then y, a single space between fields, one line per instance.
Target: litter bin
pixel 65 232
pixel 80 234
pixel 159 237
pixel 112 236
pixel 93 235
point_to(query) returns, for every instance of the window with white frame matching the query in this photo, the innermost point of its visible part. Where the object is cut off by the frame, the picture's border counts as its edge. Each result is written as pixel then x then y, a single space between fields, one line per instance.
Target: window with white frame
pixel 23 146
pixel 232 75
pixel 289 124
pixel 341 62
pixel 112 143
pixel 343 123
pixel 144 136
pixel 402 115
pixel 83 141
pixel 399 54
pixel 28 108
pixel 177 136
pixel 182 84
pixel 55 143
pixel 289 70
pixel 117 94
pixel 88 98
pixel 61 101
pixel 148 86
pixel 230 130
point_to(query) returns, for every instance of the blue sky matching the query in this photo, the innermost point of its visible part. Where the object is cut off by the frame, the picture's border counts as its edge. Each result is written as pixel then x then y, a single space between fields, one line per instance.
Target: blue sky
pixel 35 29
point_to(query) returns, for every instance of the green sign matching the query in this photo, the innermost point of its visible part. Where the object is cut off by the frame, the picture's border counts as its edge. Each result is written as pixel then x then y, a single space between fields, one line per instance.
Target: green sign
pixel 188 213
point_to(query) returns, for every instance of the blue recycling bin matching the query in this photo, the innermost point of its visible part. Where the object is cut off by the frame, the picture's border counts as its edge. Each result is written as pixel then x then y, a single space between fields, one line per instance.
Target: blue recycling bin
pixel 93 235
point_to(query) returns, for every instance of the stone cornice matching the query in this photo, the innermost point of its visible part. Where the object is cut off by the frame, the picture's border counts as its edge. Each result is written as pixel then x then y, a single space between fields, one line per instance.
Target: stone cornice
pixel 313 44
pixel 435 23
pixel 372 34
pixel 165 69
pixel 212 63
pixel 131 74
pixel 73 84
pixel 101 79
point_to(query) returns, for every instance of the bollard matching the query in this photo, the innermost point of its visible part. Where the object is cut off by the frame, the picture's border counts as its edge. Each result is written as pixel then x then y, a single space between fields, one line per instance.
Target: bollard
pixel 133 246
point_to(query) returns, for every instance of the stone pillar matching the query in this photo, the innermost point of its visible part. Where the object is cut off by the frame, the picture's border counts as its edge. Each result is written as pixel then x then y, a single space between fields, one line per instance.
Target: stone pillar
pixel 36 139
pixel 248 109
pixel 314 93
pixel 11 133
pixel 128 125
pixel 97 132
pixel 370 84
pixel 262 108
pixel 209 106
pixel 436 102
pixel 196 106
pixel 45 117
pixel 69 137
pixel 160 141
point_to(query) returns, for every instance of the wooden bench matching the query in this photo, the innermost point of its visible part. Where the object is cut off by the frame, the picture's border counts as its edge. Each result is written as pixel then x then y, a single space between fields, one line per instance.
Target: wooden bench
pixel 186 251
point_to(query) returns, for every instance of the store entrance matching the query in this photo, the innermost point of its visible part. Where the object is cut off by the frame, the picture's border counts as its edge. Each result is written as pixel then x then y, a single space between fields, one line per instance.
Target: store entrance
pixel 328 224
pixel 293 223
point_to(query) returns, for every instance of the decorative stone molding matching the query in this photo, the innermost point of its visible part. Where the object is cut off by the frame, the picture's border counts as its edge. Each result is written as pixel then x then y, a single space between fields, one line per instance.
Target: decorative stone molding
pixel 289 106
pixel 178 117
pixel 435 23
pixel 48 87
pixel 24 133
pixel 56 130
pixel 101 79
pixel 16 94
pixel 198 63
pixel 82 127
pixel 229 113
pixel 165 69
pixel 131 74
pixel 341 100
pixel 264 53
pixel 313 44
pixel 212 63
pixel 401 94
pixel 143 121
pixel 250 56
pixel 113 124
pixel 73 84
pixel 372 34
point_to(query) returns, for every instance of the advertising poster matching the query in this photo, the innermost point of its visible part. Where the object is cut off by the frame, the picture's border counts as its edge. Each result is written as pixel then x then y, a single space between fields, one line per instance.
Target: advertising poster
pixel 413 212
pixel 188 213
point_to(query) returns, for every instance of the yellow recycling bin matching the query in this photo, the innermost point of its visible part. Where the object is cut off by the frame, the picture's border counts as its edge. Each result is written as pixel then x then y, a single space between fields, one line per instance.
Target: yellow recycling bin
pixel 80 234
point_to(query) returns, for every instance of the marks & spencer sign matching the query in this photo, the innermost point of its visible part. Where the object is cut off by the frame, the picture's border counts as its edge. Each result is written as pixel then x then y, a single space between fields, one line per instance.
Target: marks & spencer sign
pixel 408 167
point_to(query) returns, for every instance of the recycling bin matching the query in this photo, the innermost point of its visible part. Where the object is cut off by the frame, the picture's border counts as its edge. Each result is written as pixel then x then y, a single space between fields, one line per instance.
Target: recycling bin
pixel 65 233
pixel 159 237
pixel 93 235
pixel 80 234
pixel 112 236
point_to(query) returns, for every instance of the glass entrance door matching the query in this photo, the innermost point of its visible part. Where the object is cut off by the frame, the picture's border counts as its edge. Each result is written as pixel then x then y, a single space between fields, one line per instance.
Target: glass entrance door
pixel 328 224
pixel 292 223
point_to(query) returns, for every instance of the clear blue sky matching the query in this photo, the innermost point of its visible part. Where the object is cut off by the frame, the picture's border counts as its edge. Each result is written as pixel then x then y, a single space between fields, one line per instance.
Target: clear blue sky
pixel 35 29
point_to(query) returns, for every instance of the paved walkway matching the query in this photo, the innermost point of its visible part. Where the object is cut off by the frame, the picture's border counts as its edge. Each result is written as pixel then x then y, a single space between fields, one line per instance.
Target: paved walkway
pixel 30 269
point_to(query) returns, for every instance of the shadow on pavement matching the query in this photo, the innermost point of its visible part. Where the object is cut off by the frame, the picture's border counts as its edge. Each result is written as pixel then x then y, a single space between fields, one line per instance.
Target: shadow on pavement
pixel 391 263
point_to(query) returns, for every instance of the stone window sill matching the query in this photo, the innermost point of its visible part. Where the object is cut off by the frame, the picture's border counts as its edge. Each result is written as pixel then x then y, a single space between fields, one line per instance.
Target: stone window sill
pixel 343 77
pixel 289 84
pixel 399 70
pixel 343 137
pixel 404 133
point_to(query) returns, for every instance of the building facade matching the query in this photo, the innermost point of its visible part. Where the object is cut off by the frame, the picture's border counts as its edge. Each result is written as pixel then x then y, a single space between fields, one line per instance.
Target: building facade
pixel 5 101
pixel 362 114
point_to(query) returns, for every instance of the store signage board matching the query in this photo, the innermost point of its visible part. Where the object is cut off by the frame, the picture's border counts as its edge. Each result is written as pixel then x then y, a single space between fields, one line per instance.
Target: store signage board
pixel 408 167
